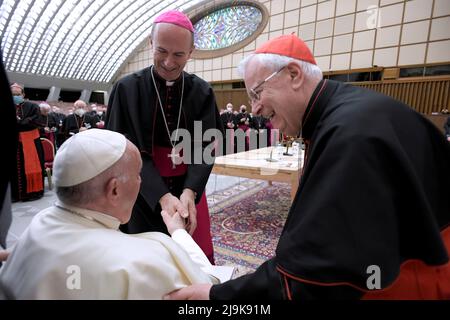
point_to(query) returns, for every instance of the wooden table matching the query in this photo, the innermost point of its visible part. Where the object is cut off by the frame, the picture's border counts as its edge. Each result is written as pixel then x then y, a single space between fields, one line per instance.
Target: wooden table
pixel 253 164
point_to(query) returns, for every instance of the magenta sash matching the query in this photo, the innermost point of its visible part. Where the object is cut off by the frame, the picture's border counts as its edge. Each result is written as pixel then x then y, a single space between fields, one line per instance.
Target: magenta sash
pixel 202 234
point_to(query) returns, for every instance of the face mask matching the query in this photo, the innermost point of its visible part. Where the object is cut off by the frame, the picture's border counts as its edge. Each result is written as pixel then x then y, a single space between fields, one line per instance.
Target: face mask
pixel 79 112
pixel 18 99
pixel 100 113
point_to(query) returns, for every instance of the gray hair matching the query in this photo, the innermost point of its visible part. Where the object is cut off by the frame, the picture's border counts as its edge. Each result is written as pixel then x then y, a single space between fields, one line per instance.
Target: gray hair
pixel 90 191
pixel 276 62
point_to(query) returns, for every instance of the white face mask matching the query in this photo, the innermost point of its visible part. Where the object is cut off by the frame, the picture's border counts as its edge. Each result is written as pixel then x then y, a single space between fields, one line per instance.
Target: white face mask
pixel 100 113
pixel 79 112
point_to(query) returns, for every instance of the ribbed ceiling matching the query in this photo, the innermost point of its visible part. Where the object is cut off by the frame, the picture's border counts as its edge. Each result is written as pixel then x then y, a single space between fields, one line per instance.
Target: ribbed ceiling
pixel 76 39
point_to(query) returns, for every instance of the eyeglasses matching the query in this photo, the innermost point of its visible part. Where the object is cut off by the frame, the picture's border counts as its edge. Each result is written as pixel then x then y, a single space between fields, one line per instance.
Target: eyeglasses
pixel 255 96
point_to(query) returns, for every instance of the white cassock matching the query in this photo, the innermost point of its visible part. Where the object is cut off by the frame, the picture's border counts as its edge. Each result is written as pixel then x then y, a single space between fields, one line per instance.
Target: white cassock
pixel 64 255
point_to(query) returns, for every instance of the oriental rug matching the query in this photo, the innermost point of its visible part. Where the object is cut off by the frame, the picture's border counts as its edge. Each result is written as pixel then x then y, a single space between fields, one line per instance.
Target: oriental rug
pixel 246 222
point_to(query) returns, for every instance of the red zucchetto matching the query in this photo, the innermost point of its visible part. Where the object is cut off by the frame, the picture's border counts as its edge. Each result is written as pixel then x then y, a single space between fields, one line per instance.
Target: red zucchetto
pixel 289 46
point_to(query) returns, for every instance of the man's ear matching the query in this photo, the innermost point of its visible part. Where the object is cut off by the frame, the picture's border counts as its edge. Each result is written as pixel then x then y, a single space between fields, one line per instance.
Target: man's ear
pixel 112 191
pixel 296 74
pixel 190 52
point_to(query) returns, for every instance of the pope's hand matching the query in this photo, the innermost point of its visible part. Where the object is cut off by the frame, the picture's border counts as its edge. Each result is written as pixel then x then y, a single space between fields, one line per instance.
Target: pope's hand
pixel 194 292
pixel 172 204
pixel 173 222
pixel 3 255
pixel 187 198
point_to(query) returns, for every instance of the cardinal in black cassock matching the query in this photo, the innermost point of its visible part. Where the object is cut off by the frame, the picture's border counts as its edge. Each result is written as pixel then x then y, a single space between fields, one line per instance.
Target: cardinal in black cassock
pixel 371 216
pixel 28 181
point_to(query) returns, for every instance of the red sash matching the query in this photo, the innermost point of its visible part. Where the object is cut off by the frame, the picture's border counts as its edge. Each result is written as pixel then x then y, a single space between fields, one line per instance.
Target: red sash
pixel 32 164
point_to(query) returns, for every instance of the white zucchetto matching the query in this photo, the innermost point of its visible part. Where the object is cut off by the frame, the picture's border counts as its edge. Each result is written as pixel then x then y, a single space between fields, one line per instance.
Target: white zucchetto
pixel 86 155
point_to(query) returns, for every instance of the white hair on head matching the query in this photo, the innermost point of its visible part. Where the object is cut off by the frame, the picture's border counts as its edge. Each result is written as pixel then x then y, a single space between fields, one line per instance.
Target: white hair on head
pixel 276 62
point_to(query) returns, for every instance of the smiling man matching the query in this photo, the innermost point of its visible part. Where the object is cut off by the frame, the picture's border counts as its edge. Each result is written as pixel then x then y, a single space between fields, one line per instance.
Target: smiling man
pixel 371 216
pixel 148 107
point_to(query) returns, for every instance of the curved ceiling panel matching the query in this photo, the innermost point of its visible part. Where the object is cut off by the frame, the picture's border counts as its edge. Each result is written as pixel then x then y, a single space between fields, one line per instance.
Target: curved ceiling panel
pixel 76 39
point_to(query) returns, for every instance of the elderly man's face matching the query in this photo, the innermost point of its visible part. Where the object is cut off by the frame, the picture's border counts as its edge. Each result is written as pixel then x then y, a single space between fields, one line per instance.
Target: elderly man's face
pixel 45 111
pixel 172 48
pixel 276 100
pixel 79 106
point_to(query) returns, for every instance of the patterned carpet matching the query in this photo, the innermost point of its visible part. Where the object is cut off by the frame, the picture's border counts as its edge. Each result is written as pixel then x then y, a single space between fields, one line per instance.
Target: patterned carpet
pixel 246 222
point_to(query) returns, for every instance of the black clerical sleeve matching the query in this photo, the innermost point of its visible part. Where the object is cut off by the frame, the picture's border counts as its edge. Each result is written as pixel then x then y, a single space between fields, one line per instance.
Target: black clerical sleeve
pixel 124 116
pixel 90 120
pixel 29 116
pixel 208 115
pixel 264 284
pixel 52 121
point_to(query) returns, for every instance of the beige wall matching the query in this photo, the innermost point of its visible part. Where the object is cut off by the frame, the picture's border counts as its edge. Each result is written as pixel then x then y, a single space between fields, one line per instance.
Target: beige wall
pixel 343 34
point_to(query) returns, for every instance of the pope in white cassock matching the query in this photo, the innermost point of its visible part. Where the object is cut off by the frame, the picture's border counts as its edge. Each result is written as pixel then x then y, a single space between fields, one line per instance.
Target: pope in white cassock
pixel 74 249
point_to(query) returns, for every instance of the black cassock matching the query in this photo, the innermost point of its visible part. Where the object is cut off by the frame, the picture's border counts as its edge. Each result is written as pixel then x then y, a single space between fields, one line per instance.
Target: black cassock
pixel 72 124
pixel 373 194
pixel 447 127
pixel 134 110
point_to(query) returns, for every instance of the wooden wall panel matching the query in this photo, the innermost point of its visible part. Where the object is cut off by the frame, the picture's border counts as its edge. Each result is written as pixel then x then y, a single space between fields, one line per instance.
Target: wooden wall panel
pixel 237 97
pixel 424 95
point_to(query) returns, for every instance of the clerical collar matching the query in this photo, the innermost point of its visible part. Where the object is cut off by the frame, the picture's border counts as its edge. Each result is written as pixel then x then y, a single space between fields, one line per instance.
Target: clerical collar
pixel 108 221
pixel 316 105
pixel 161 80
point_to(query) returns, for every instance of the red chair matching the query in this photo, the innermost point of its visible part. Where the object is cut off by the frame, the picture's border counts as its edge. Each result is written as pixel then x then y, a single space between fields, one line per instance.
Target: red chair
pixel 49 156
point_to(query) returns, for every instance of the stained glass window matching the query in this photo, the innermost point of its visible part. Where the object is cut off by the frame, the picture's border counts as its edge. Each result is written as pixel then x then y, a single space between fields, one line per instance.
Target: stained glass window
pixel 226 27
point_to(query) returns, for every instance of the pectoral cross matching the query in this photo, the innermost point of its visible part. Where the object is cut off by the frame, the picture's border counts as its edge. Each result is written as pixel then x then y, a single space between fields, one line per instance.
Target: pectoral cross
pixel 175 157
